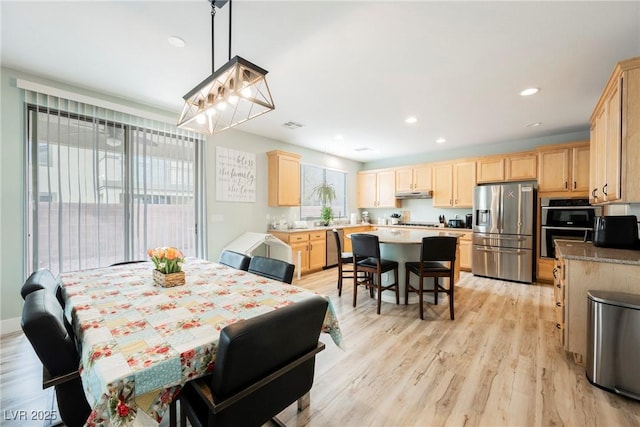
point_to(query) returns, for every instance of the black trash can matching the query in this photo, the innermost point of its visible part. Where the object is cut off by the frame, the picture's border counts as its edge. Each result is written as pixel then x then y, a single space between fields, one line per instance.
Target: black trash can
pixel 613 342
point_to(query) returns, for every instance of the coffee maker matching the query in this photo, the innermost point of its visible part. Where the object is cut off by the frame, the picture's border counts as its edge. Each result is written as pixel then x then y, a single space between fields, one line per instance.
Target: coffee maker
pixel 468 221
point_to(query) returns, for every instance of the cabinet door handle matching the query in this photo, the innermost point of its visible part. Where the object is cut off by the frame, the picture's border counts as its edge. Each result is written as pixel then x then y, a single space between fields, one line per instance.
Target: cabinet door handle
pixel 604 191
pixel 575 185
pixel 558 304
pixel 558 326
pixel 566 185
pixel 555 273
pixel 593 193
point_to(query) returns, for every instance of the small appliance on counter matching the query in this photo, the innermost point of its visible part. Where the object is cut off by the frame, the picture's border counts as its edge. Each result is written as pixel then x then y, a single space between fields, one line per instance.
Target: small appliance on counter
pixel 456 223
pixel 468 221
pixel 365 217
pixel 620 232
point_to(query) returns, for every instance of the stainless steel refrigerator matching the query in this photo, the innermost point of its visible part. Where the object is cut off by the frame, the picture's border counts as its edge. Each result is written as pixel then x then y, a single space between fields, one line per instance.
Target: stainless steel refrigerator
pixel 504 231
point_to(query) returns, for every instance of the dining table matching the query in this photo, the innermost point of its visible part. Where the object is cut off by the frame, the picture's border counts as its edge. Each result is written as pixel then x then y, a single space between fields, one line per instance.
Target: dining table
pixel 139 342
pixel 403 245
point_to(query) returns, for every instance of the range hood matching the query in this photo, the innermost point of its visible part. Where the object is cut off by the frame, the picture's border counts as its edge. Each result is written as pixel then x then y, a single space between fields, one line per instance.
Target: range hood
pixel 415 195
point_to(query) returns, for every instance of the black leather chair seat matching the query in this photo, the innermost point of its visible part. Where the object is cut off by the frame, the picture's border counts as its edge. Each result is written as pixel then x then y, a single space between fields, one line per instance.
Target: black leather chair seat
pixel 414 267
pixel 386 264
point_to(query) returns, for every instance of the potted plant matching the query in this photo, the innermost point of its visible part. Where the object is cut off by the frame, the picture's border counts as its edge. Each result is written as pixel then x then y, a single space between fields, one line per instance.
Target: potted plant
pixel 326 194
pixel 168 262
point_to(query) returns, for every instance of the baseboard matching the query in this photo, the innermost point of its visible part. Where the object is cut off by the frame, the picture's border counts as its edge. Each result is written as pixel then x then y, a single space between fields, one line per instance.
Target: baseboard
pixel 10 326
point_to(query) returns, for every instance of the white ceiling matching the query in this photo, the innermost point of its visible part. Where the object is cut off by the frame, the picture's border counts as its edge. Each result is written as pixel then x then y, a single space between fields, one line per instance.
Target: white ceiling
pixel 355 68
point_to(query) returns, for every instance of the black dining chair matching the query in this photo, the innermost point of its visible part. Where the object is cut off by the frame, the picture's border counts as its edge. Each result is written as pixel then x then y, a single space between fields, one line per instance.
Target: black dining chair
pixel 345 262
pixel 42 279
pixel 272 268
pixel 367 248
pixel 127 262
pixel 434 253
pixel 44 327
pixel 263 364
pixel 234 259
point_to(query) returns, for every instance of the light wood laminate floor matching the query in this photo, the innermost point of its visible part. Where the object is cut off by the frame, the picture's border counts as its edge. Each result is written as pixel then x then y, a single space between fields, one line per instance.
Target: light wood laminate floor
pixel 499 363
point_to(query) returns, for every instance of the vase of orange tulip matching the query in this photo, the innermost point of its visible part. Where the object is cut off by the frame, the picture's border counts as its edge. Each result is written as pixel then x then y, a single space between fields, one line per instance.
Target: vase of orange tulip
pixel 168 262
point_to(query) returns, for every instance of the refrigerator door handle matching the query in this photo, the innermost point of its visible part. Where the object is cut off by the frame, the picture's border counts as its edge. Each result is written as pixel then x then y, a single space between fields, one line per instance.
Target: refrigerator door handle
pixel 498 250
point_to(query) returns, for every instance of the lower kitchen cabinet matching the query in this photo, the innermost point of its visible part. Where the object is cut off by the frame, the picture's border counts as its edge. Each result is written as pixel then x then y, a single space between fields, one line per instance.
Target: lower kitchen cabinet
pixel 350 230
pixel 308 248
pixel 581 267
pixel 465 252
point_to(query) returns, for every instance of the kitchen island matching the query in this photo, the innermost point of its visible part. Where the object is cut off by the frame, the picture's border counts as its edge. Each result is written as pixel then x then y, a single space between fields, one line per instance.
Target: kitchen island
pixel 579 268
pixel 402 245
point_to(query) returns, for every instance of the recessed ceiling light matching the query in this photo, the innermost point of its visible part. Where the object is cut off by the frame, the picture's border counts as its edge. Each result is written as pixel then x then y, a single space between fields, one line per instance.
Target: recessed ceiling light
pixel 529 91
pixel 176 41
pixel 410 120
pixel 534 125
pixel 440 141
pixel 338 137
pixel 292 125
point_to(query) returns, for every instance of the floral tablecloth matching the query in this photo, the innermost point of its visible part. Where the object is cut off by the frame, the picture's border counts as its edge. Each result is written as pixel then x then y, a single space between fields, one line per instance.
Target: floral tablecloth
pixel 141 342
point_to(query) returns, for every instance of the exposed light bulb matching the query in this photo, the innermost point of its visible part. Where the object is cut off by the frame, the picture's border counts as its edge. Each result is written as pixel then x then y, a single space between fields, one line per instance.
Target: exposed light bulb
pixel 246 92
pixel 211 112
pixel 221 106
pixel 233 99
pixel 201 119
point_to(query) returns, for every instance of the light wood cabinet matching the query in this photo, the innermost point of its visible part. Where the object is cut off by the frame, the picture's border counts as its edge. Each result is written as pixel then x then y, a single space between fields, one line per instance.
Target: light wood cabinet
pixel 464 243
pixel 574 278
pixel 376 189
pixel 615 138
pixel 512 167
pixel 351 230
pixel 309 247
pixel 417 178
pixel 284 178
pixel 453 184
pixel 564 168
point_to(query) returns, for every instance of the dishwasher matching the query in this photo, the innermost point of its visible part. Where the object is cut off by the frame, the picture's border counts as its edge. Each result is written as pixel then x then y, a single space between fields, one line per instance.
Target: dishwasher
pixel 332 247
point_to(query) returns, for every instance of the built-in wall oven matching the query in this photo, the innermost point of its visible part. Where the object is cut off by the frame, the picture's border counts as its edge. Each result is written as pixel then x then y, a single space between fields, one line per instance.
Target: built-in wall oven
pixel 567 219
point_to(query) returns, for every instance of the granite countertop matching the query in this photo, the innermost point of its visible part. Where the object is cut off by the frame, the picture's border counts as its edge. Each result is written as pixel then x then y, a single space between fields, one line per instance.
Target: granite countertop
pixel 410 235
pixel 323 227
pixel 586 251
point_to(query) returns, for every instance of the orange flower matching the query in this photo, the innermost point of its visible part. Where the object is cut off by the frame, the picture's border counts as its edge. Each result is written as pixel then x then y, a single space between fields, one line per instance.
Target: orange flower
pixel 171 253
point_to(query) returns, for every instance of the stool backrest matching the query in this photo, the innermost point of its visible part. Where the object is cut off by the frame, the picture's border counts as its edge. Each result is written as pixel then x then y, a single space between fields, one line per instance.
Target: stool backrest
pixel 438 248
pixel 336 236
pixel 365 245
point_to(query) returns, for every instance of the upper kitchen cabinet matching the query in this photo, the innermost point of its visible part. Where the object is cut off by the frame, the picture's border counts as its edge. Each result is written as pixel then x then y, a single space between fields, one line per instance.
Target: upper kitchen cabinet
pixel 564 168
pixel 284 178
pixel 453 184
pixel 376 189
pixel 615 138
pixel 512 167
pixel 412 179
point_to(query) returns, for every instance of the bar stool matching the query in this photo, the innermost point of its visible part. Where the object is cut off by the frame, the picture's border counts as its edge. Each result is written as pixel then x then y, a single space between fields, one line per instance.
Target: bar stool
pixel 433 251
pixel 367 246
pixel 345 259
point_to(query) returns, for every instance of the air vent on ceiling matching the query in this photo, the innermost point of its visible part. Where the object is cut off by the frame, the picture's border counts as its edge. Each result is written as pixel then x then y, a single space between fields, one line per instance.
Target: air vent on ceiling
pixel 292 125
pixel 363 149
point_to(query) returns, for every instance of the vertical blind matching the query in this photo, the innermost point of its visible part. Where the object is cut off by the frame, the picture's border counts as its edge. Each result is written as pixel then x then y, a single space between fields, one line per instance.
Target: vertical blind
pixel 104 186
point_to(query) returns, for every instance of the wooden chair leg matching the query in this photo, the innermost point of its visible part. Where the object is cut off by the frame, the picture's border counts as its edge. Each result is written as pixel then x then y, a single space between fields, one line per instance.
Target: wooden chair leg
pixel 420 296
pixel 451 296
pixel 435 290
pixel 379 287
pixel 395 274
pixel 339 278
pixel 406 286
pixel 355 285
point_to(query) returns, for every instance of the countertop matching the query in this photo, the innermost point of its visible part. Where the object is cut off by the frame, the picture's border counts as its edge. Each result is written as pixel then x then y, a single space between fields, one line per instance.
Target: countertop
pixel 586 251
pixel 327 227
pixel 410 234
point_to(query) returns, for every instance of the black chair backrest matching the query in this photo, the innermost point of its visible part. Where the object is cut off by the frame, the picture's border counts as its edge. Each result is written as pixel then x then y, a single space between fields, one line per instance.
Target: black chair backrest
pixel 438 248
pixel 234 259
pixel 336 235
pixel 42 279
pixel 272 268
pixel 127 262
pixel 44 326
pixel 365 245
pixel 252 349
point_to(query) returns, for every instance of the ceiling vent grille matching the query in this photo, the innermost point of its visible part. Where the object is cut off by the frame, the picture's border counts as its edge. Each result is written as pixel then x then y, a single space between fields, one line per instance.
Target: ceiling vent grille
pixel 292 125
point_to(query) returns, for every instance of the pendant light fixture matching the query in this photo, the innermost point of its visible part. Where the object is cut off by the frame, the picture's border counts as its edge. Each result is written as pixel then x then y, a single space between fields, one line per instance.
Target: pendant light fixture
pixel 231 95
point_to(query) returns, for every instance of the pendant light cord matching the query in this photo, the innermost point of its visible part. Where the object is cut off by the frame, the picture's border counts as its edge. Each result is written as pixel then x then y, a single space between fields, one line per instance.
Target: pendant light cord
pixel 230 4
pixel 213 60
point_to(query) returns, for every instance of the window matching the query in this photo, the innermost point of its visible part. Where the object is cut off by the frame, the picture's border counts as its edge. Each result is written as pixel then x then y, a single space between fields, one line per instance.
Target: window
pixel 311 177
pixel 108 190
